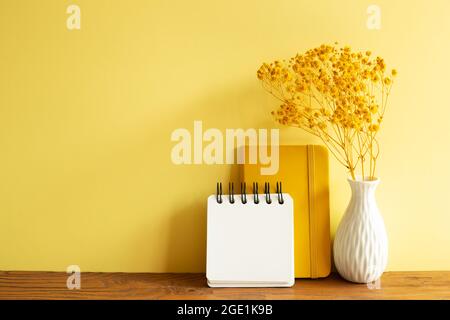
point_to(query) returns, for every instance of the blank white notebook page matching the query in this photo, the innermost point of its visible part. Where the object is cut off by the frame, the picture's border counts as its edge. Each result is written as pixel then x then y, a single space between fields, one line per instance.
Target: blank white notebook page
pixel 250 243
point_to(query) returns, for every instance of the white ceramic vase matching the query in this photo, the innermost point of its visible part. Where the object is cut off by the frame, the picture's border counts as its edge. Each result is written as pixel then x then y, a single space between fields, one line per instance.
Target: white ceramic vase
pixel 361 244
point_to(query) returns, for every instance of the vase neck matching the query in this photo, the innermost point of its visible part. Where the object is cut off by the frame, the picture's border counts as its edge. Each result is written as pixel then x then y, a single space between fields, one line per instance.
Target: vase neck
pixel 363 189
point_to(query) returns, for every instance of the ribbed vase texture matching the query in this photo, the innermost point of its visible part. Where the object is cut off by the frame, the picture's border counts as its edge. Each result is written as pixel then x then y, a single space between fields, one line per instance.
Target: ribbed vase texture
pixel 361 244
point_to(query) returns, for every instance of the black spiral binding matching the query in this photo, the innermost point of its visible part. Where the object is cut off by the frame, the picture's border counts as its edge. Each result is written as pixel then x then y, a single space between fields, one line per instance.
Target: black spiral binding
pixel 219 192
pixel 267 192
pixel 280 193
pixel 231 192
pixel 243 193
pixel 255 193
pixel 267 196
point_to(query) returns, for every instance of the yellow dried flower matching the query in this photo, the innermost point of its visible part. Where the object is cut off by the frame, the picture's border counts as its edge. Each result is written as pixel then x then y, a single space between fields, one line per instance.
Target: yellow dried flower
pixel 373 109
pixel 331 92
pixel 374 127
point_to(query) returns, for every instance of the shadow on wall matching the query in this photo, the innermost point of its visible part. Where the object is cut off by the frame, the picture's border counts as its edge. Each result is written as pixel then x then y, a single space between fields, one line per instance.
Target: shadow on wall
pixel 186 250
pixel 187 238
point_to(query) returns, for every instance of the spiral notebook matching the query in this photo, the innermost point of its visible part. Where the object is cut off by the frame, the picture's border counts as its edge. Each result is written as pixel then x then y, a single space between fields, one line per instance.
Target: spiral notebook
pixel 250 239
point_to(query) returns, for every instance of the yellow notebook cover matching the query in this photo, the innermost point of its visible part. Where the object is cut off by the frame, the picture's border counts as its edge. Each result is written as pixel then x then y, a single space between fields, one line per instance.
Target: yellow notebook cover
pixel 303 171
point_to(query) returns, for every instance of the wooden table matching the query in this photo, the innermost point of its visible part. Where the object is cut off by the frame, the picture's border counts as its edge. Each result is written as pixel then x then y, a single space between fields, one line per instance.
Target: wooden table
pixel 52 285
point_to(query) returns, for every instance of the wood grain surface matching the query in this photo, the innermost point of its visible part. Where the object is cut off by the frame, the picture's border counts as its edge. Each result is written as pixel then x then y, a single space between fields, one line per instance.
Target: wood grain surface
pixel 52 285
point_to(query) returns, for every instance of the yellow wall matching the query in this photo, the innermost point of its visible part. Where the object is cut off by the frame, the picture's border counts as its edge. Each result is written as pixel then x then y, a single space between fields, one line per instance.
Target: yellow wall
pixel 86 117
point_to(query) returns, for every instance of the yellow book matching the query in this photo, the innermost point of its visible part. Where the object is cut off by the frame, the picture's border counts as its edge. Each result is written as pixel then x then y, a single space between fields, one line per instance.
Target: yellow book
pixel 303 171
